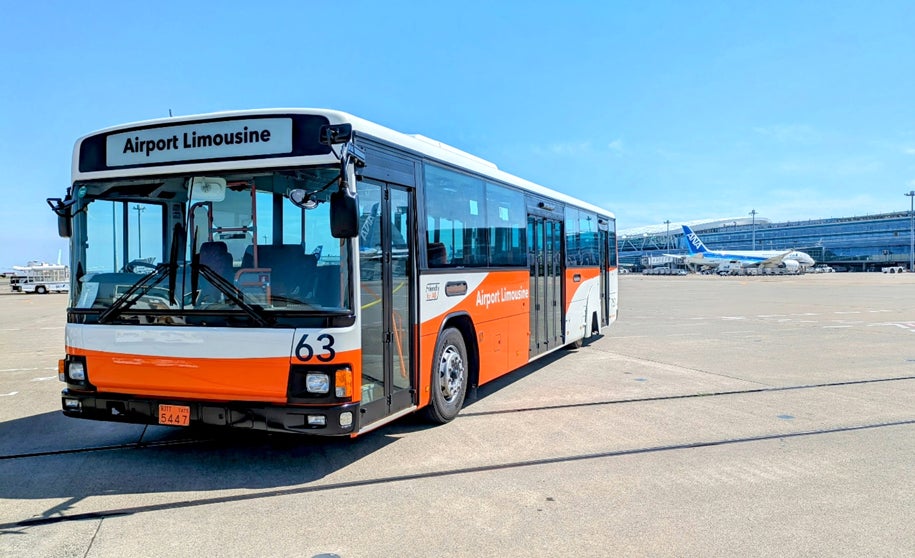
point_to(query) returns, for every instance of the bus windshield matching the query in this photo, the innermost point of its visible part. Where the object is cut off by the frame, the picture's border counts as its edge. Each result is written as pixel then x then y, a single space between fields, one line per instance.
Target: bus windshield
pixel 227 248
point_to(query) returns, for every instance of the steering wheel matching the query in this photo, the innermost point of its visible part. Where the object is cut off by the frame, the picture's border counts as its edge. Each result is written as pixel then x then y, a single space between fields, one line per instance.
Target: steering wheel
pixel 139 266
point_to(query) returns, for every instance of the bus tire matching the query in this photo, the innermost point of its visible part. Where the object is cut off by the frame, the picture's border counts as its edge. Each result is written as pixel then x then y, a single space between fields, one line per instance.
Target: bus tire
pixel 449 377
pixel 41 290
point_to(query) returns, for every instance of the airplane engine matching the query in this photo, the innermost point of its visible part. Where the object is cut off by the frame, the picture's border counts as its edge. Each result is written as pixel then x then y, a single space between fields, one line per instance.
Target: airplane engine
pixel 791 265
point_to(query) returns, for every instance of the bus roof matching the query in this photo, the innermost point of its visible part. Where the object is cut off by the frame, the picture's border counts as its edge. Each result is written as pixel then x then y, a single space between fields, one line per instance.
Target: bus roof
pixel 417 143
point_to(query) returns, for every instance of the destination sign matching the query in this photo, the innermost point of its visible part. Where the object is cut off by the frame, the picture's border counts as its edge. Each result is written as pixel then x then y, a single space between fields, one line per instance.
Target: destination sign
pixel 203 140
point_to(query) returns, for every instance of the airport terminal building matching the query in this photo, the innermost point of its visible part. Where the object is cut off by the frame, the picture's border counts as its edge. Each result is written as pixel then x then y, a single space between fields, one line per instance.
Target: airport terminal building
pixel 866 243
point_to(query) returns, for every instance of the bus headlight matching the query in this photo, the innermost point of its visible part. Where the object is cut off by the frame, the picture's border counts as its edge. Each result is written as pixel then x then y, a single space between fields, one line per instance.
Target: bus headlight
pixel 76 371
pixel 317 383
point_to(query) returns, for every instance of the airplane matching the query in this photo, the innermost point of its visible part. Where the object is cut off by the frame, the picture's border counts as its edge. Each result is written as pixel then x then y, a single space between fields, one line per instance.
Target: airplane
pixel 700 255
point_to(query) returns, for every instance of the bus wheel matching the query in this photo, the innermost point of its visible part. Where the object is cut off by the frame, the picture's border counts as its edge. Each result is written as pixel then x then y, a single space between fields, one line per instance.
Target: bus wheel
pixel 449 377
pixel 41 290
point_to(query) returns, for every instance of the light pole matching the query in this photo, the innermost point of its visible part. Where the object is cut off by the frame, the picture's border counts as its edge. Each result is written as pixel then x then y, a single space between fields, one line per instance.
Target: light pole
pixel 667 222
pixel 911 195
pixel 753 213
pixel 139 209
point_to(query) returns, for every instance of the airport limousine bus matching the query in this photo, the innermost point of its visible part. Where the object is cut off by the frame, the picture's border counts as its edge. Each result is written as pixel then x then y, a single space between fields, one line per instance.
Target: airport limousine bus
pixel 308 271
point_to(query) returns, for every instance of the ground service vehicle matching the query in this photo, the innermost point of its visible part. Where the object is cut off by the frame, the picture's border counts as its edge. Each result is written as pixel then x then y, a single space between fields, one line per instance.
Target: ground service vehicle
pixel 309 271
pixel 40 278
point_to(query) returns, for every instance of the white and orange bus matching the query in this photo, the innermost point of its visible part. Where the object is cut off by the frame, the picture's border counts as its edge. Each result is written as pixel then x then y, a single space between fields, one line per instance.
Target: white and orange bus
pixel 308 271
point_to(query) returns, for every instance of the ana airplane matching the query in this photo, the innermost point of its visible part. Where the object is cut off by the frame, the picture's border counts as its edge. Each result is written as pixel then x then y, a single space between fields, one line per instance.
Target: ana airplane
pixel 702 256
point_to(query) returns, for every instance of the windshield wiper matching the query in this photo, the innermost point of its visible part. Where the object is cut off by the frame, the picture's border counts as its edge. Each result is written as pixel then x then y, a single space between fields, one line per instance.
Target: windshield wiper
pixel 139 289
pixel 233 294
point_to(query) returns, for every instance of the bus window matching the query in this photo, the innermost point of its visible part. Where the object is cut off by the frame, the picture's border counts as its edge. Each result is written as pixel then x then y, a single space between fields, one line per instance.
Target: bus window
pixel 588 239
pixel 506 220
pixel 123 236
pixel 573 237
pixel 456 218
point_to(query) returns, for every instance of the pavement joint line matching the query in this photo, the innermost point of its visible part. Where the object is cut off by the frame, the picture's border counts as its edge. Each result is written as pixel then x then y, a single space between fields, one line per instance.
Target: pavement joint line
pixel 139 444
pixel 772 389
pixel 131 445
pixel 128 511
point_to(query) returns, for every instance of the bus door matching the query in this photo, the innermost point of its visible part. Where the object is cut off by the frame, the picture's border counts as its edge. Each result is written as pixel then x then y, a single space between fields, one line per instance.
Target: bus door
pixel 545 261
pixel 386 286
pixel 604 239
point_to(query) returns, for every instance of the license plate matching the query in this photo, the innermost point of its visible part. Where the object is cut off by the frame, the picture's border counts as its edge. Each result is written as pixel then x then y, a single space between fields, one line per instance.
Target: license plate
pixel 174 415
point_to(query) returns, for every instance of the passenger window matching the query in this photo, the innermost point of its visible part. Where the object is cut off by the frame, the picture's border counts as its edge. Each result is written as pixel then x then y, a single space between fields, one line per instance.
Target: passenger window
pixel 456 219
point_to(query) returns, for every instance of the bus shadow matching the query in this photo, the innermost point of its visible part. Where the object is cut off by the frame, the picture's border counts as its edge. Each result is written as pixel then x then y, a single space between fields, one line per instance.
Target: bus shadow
pixel 50 456
pixel 76 459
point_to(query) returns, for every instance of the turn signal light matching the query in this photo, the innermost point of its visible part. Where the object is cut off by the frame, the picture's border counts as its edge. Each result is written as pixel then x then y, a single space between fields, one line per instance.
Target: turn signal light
pixel 343 383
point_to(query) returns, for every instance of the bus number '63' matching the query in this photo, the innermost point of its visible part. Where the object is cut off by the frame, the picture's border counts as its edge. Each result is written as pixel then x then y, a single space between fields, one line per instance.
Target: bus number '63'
pixel 304 351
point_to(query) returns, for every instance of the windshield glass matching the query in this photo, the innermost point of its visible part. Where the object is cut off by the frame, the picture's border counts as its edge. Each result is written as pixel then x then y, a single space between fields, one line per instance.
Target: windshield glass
pixel 173 249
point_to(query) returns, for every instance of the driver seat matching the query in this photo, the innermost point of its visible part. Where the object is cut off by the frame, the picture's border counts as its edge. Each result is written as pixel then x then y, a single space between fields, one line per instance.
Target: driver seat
pixel 216 256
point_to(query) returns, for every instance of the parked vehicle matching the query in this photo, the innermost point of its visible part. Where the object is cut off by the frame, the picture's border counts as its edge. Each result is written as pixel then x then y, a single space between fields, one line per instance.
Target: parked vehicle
pixel 894 269
pixel 40 278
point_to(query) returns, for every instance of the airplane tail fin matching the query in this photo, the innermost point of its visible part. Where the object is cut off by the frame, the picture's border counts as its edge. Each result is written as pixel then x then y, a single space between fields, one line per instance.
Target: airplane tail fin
pixel 693 243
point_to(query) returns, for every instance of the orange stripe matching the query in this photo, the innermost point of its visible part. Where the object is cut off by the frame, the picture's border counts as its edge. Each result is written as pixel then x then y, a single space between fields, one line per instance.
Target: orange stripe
pixel 249 379
pixel 502 326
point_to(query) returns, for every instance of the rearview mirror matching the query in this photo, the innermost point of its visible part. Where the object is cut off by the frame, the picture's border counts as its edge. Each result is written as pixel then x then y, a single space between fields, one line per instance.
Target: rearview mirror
pixel 302 198
pixel 208 188
pixel 344 215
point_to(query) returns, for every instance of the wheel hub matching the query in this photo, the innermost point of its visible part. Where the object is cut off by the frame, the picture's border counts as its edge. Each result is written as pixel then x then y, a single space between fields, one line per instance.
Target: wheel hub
pixel 451 373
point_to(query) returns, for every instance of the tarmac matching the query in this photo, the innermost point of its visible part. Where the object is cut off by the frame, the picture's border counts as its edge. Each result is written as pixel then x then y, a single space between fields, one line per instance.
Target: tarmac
pixel 720 416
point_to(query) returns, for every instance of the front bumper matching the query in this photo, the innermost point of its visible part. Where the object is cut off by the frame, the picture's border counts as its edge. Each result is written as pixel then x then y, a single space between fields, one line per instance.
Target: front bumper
pixel 237 414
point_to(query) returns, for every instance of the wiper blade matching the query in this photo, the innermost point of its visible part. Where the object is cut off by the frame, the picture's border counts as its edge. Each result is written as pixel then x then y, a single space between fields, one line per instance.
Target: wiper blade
pixel 233 294
pixel 133 294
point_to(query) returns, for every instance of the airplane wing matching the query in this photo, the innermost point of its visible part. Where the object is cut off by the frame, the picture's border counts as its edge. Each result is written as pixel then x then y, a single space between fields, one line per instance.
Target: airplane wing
pixel 775 260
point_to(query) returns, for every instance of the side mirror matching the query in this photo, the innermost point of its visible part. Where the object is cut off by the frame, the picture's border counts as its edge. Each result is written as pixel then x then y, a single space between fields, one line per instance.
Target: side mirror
pixel 61 208
pixel 64 226
pixel 333 134
pixel 344 215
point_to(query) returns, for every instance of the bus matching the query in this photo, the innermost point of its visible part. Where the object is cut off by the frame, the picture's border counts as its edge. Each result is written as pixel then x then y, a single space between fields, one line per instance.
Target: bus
pixel 308 271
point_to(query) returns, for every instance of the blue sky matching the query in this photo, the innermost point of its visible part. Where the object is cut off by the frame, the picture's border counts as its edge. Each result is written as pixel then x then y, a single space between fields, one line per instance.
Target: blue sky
pixel 654 110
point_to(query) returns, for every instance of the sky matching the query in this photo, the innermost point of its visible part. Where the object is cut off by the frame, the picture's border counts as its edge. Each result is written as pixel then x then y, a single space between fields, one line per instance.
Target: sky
pixel 654 110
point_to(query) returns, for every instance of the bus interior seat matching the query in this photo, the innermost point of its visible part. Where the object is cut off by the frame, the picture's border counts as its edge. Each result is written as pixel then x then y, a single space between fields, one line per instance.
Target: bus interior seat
pixel 215 255
pixel 436 254
pixel 292 271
